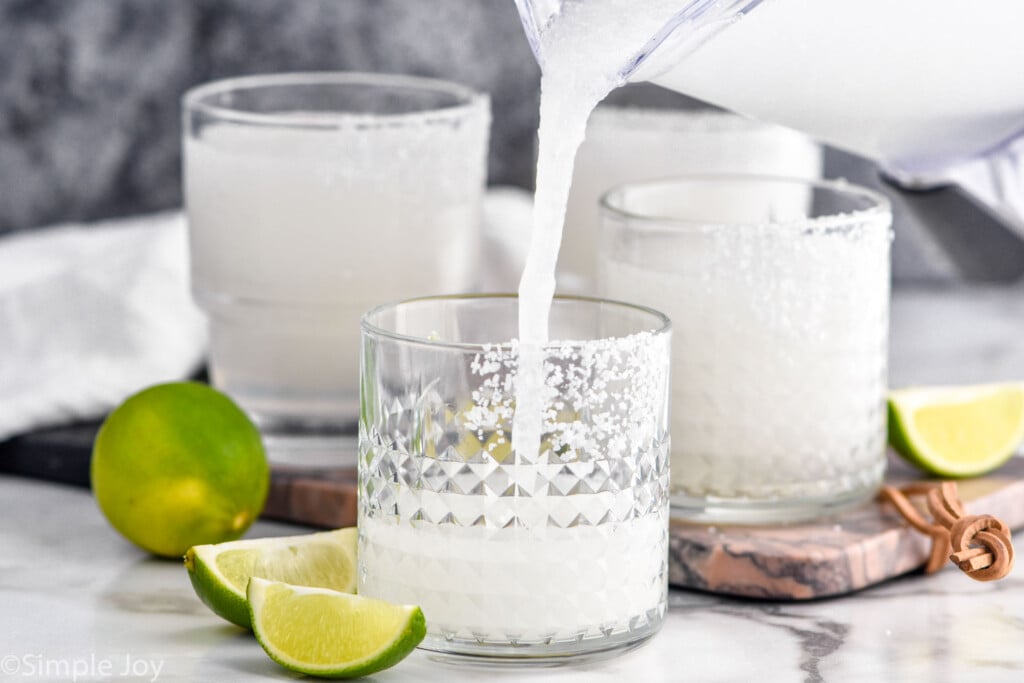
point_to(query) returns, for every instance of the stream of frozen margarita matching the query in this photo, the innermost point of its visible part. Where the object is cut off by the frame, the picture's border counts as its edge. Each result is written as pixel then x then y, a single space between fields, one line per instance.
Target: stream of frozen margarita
pixel 584 51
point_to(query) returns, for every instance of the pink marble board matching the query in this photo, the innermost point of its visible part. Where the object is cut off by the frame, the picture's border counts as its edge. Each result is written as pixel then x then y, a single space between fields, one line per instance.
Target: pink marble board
pixel 855 549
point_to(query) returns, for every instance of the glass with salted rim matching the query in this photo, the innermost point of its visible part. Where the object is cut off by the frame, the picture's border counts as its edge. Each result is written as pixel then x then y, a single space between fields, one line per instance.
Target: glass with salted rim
pixel 778 290
pixel 516 555
pixel 312 197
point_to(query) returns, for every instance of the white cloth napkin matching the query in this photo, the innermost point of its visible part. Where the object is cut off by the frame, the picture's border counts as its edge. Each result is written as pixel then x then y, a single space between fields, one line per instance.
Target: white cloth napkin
pixel 90 315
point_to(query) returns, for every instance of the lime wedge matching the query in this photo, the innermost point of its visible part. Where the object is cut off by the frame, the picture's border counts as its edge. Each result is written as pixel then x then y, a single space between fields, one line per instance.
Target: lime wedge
pixel 957 431
pixel 325 633
pixel 221 572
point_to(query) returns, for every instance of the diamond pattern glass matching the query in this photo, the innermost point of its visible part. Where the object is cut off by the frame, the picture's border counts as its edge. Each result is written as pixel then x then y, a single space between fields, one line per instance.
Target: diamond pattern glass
pixel 514 554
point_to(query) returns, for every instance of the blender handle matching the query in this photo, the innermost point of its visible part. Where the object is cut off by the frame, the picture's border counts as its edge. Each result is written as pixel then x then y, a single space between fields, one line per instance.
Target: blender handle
pixel 982 244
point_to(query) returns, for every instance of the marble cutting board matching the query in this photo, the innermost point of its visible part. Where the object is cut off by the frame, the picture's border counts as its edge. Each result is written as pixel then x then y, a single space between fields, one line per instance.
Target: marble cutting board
pixel 850 551
pixel 855 549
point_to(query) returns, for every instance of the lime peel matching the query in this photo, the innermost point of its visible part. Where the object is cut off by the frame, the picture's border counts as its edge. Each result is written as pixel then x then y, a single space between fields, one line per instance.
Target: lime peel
pixel 320 632
pixel 957 431
pixel 220 572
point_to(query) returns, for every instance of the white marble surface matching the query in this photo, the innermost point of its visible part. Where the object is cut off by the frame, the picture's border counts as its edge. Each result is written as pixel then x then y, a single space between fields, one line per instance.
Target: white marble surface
pixel 73 593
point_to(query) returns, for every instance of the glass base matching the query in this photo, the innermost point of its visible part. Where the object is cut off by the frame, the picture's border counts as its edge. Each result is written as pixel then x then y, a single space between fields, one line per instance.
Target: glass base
pixel 537 654
pixel 311 451
pixel 304 439
pixel 714 510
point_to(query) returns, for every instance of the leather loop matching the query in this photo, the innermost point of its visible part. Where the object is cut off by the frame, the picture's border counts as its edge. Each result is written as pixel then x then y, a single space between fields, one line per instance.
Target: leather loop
pixel 980 545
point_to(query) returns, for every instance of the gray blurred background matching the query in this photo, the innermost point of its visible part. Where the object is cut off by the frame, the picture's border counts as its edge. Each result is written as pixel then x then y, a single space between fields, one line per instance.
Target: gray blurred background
pixel 90 89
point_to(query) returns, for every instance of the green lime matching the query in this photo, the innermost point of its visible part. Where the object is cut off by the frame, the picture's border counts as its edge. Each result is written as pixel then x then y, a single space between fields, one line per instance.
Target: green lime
pixel 221 572
pixel 178 465
pixel 957 431
pixel 325 633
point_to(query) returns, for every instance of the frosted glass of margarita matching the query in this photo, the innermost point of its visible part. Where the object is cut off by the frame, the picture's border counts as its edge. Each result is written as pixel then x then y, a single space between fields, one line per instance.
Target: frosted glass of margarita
pixel 312 198
pixel 778 291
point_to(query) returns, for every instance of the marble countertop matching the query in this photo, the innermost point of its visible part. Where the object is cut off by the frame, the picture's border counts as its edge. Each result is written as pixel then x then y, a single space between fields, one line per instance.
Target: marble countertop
pixel 79 602
pixel 74 593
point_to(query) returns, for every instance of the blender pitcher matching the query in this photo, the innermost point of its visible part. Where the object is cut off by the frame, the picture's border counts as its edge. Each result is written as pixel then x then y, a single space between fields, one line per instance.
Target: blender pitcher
pixel 919 86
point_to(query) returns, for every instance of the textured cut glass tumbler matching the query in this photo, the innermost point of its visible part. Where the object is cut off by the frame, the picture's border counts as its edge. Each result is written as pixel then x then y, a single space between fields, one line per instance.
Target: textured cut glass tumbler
pixel 516 555
pixel 778 291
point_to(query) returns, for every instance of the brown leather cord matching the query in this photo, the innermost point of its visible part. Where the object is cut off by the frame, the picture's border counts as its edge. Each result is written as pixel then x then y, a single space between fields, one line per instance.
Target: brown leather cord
pixel 979 545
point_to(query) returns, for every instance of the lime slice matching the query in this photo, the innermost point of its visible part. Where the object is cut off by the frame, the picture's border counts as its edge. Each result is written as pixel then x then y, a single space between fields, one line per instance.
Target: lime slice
pixel 221 572
pixel 325 633
pixel 957 431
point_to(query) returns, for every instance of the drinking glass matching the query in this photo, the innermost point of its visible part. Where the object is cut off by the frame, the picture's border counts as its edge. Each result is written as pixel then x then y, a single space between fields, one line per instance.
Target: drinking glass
pixel 627 144
pixel 778 290
pixel 311 198
pixel 509 554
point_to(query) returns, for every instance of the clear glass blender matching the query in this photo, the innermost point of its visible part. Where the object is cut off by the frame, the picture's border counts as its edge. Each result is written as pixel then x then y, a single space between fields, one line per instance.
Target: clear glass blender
pixel 916 85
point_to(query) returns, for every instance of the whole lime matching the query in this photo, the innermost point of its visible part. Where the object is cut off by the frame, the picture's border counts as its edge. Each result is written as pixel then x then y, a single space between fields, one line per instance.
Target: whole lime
pixel 178 465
